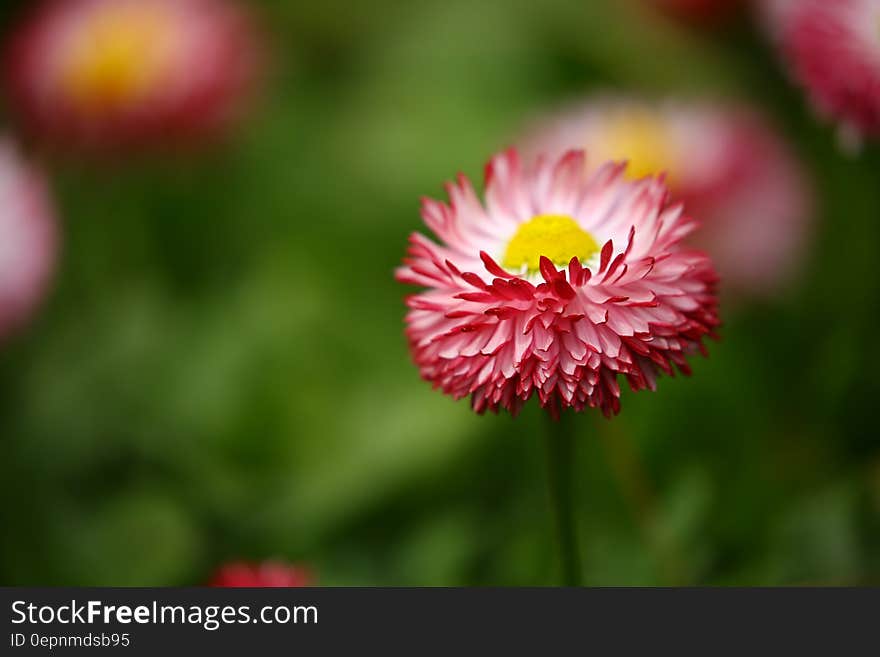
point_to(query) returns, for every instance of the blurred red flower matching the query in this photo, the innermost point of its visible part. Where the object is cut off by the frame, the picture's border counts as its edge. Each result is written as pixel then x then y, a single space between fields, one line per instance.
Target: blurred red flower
pixel 267 574
pixel 121 74
pixel 832 49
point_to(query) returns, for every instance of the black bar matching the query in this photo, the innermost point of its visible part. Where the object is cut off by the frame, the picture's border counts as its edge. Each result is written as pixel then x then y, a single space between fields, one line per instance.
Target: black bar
pixel 413 621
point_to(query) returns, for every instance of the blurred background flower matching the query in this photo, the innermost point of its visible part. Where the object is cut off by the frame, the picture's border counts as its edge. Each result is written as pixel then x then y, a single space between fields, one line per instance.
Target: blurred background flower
pixel 28 238
pixel 262 575
pixel 118 74
pixel 833 50
pixel 221 367
pixel 726 162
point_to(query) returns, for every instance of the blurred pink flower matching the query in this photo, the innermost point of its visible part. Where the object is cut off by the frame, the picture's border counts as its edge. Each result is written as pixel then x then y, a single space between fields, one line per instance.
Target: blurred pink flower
pixel 267 574
pixel 832 48
pixel 556 284
pixel 120 74
pixel 726 163
pixel 27 239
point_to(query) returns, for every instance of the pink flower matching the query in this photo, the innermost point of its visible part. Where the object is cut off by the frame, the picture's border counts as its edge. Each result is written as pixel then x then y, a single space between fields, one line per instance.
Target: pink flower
pixel 27 239
pixel 725 162
pixel 557 284
pixel 268 574
pixel 832 48
pixel 114 74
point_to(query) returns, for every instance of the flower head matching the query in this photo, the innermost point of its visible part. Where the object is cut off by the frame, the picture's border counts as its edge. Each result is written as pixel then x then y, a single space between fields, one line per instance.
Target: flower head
pixel 268 574
pixel 27 239
pixel 110 74
pixel 558 283
pixel 833 50
pixel 726 163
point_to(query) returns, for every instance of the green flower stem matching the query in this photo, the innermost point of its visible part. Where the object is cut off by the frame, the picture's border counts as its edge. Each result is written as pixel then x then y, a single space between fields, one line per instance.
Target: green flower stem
pixel 560 462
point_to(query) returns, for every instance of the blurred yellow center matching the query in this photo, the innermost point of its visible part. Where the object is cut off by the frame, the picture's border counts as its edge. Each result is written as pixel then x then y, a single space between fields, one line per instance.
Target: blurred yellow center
pixel 640 137
pixel 118 56
pixel 556 236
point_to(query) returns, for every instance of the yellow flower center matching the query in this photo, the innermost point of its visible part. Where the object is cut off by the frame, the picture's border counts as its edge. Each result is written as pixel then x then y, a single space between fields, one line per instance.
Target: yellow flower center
pixel 556 236
pixel 118 56
pixel 639 136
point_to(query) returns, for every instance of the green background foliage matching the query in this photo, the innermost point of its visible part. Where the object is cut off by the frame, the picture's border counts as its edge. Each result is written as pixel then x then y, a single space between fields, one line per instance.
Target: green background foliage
pixel 220 370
